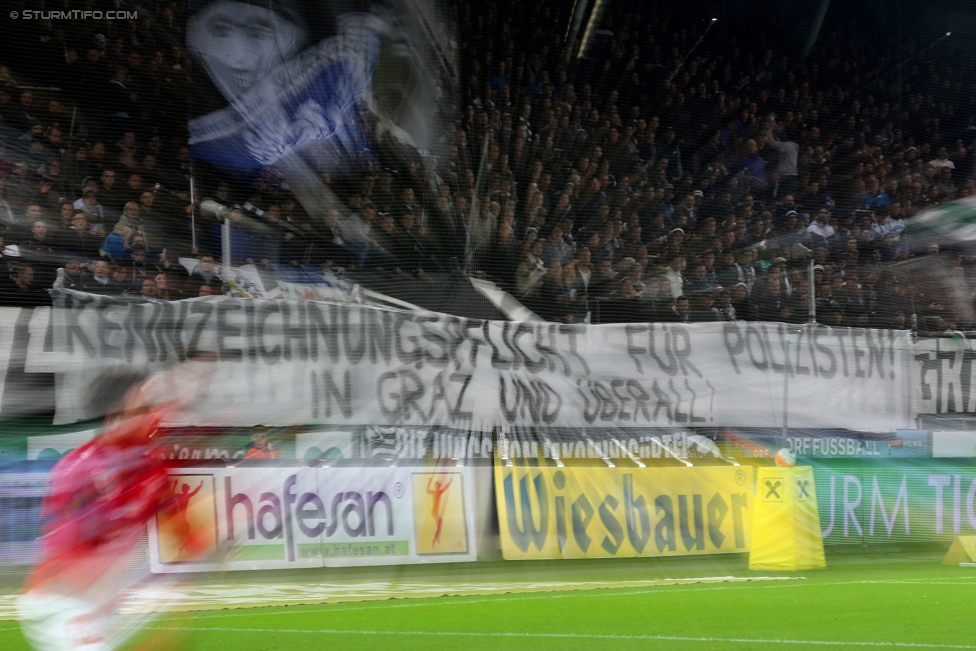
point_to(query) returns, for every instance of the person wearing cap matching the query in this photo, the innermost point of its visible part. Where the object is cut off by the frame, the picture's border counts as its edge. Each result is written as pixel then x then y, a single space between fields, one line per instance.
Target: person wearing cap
pixel 788 225
pixel 820 226
pixel 89 184
pixel 94 210
pixel 745 308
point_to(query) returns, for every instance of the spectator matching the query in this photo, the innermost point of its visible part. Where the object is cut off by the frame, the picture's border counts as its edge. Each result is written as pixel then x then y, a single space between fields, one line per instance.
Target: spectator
pixel 109 194
pixel 553 295
pixel 79 239
pixel 503 257
pixel 599 154
pixel 697 282
pixel 22 291
pixel 38 242
pixel 101 282
pixel 745 310
pixel 724 306
pixel 772 302
pixel 204 272
pixel 623 305
pixel 71 276
pixel 530 272
pixel 556 249
pixel 167 287
pixel 92 208
pixel 702 307
pixel 148 289
pixel 786 157
pixel 673 275
pixel 680 311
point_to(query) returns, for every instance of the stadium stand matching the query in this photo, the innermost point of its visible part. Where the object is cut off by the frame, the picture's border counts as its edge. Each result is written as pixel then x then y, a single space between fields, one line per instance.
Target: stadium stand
pixel 630 184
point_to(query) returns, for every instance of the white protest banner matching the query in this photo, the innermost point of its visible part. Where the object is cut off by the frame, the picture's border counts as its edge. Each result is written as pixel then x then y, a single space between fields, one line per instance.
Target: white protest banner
pixel 945 375
pixel 244 281
pixel 310 284
pixel 301 362
pixel 279 518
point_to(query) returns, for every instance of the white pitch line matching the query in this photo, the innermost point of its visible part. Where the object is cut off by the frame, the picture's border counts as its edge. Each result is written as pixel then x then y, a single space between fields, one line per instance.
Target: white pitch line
pixel 453 600
pixel 456 600
pixel 572 636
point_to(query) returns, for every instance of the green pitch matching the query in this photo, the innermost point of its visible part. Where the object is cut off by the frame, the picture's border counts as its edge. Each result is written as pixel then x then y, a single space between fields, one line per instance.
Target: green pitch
pixel 857 602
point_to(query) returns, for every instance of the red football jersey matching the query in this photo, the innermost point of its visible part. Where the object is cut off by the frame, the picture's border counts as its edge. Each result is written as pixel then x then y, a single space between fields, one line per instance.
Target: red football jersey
pixel 104 489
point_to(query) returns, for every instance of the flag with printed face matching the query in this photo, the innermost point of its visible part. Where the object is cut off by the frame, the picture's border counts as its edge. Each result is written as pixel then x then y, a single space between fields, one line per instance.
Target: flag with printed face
pixel 280 75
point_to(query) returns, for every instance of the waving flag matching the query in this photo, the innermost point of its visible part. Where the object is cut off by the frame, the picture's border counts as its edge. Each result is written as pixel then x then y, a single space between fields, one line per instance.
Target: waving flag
pixel 950 224
pixel 282 96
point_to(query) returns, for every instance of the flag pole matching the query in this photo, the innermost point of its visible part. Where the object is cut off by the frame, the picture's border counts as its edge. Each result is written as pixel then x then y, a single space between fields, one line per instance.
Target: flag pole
pixel 193 215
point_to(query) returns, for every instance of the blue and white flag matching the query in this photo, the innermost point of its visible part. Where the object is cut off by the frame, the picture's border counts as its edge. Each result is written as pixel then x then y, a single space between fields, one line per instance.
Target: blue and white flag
pixel 282 96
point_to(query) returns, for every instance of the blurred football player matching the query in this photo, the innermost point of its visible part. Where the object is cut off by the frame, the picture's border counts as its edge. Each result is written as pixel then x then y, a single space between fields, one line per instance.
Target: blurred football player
pixel 101 495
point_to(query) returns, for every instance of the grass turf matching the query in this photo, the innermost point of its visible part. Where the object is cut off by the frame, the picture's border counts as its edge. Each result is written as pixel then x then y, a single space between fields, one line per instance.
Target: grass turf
pixel 857 602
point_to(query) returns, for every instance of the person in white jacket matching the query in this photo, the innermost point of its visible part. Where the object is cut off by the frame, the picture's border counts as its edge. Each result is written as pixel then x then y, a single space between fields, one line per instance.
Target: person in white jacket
pixel 530 271
pixel 673 275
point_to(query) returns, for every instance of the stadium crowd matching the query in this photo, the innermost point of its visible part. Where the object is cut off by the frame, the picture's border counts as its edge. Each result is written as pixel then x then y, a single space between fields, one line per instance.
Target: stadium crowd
pixel 634 183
